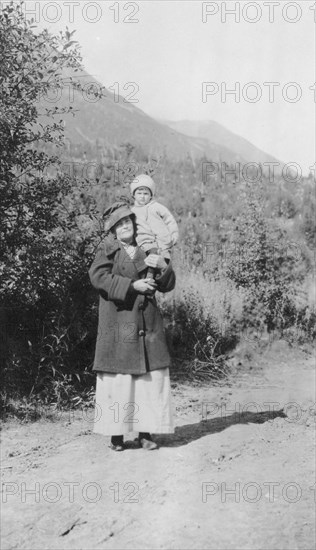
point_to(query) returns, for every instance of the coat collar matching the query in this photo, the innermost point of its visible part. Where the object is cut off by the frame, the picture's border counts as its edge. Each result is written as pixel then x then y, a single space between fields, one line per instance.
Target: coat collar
pixel 152 201
pixel 111 245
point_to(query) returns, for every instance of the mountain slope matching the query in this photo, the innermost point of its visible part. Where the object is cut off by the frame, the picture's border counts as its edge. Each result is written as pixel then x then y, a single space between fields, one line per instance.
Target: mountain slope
pixel 112 121
pixel 217 134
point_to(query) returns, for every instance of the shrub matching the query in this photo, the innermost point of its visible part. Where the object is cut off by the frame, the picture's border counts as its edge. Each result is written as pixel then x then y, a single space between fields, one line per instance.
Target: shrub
pixel 203 322
pixel 265 263
pixel 44 254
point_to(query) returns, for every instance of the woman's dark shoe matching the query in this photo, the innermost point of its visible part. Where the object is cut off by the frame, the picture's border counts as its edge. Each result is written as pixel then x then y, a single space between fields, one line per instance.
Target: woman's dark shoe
pixel 117 443
pixel 146 442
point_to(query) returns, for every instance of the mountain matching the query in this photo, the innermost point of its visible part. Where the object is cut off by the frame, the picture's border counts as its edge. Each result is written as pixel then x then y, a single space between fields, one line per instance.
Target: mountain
pixel 111 120
pixel 218 135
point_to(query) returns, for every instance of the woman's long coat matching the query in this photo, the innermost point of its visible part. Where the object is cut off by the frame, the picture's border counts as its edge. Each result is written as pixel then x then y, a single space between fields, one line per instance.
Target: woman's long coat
pixel 130 336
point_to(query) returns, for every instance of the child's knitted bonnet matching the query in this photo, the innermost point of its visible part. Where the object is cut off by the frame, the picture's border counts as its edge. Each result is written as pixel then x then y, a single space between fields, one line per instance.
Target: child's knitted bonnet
pixel 143 181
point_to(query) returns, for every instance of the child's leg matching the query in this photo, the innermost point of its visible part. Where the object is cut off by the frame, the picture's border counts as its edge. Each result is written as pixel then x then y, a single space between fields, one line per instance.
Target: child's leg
pixel 151 272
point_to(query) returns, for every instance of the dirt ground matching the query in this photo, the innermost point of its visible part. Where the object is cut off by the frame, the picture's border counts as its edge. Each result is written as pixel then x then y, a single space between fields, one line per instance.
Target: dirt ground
pixel 239 472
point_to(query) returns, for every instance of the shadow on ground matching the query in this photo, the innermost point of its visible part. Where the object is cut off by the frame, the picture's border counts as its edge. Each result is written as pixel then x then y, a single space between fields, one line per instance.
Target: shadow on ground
pixel 191 432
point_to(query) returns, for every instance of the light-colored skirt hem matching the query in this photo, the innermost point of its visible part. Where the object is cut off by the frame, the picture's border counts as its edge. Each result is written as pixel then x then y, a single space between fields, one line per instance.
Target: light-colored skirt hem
pixel 128 403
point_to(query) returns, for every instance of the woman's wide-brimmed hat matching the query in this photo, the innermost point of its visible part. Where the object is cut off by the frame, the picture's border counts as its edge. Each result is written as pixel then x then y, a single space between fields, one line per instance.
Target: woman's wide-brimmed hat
pixel 115 213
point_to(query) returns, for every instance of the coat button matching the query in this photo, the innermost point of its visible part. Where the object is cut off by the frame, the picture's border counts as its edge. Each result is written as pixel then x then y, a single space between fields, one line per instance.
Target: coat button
pixel 141 333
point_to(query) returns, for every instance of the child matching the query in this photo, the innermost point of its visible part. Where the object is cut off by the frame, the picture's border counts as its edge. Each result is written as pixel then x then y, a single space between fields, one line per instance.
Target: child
pixel 157 230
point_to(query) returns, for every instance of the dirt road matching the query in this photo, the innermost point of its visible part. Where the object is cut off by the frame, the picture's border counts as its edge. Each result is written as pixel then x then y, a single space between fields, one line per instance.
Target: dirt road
pixel 239 473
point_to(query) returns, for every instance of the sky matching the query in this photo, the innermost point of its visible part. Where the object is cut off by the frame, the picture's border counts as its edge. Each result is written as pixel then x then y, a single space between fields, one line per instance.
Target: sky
pixel 179 59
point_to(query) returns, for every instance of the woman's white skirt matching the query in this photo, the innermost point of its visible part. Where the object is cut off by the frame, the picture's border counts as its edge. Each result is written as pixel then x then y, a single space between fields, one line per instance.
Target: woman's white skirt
pixel 128 403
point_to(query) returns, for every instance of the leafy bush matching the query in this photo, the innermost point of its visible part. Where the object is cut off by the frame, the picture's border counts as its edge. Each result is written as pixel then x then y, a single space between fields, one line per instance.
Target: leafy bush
pixel 307 219
pixel 44 252
pixel 265 263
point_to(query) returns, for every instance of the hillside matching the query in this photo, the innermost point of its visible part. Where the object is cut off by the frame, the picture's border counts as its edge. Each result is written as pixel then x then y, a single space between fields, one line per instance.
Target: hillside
pixel 219 136
pixel 112 120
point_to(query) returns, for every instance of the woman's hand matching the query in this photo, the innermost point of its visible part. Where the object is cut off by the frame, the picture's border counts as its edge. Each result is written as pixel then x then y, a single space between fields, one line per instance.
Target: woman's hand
pixel 155 261
pixel 145 286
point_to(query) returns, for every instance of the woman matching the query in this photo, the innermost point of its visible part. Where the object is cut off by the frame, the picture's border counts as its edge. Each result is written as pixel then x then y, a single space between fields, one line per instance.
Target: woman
pixel 131 359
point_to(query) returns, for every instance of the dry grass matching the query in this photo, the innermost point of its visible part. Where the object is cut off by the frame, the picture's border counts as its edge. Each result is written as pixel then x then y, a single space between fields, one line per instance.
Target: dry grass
pixel 219 300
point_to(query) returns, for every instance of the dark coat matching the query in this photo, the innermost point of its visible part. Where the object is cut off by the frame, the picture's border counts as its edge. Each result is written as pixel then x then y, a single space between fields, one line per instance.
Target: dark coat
pixel 130 336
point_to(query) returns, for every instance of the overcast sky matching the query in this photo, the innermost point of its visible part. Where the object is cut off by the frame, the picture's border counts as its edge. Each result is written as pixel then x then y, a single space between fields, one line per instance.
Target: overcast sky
pixel 168 51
